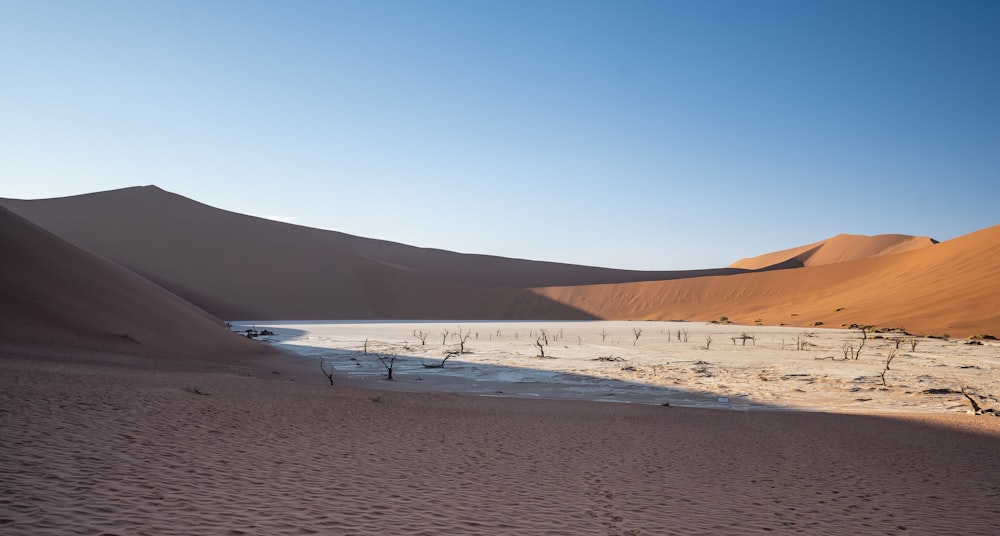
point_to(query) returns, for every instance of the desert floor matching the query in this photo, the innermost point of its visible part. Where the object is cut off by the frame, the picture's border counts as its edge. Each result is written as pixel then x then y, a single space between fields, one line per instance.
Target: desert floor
pixel 105 448
pixel 95 443
pixel 669 362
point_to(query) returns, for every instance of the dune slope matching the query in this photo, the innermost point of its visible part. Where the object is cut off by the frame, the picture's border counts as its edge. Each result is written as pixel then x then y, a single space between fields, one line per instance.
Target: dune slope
pixel 840 248
pixel 948 288
pixel 56 295
pixel 242 267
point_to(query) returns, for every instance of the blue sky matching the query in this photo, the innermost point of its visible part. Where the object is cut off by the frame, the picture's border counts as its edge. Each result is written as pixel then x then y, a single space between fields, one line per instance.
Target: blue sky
pixel 645 135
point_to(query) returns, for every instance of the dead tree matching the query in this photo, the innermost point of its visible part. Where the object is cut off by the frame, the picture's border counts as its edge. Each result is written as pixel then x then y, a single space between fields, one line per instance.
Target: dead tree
pixel 327 373
pixel 744 336
pixel 447 356
pixel 422 335
pixel 389 362
pixel 544 336
pixel 604 335
pixel 888 361
pixel 861 344
pixel 708 342
pixel 462 338
pixel 637 332
pixel 976 408
pixel 366 346
pixel 541 347
pixel 444 337
pixel 913 343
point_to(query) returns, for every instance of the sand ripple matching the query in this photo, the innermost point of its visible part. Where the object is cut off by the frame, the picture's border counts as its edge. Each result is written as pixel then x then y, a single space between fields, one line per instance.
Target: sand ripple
pixel 109 451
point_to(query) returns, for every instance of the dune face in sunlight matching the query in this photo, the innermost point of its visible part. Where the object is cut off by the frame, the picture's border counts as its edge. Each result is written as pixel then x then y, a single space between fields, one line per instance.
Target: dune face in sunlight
pixel 941 289
pixel 237 266
pixel 840 248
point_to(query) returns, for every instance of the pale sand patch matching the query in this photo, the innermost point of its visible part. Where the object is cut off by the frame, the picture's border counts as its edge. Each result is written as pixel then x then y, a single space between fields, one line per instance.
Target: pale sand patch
pixel 766 372
pixel 90 449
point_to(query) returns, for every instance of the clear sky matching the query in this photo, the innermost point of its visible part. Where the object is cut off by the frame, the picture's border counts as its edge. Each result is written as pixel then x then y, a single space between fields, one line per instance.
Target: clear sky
pixel 632 134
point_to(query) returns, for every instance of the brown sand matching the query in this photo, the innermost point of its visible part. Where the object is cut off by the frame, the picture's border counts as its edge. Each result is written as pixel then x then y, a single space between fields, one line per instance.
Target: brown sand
pixel 111 450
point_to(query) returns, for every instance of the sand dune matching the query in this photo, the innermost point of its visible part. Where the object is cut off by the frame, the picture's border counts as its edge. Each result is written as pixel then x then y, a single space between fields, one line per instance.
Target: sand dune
pixel 56 295
pixel 238 266
pixel 945 289
pixel 840 248
pixel 241 267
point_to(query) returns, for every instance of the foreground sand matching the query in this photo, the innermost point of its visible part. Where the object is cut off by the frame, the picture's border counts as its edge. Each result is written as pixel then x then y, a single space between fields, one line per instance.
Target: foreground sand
pixel 110 449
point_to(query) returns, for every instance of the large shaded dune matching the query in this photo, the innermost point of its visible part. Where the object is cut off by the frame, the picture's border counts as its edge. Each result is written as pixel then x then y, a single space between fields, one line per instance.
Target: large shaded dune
pixel 55 295
pixel 147 227
pixel 949 288
pixel 840 248
pixel 239 266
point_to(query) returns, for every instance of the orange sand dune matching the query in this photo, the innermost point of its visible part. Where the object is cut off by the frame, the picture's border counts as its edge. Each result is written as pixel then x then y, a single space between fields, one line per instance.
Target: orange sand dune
pixel 949 288
pixel 54 294
pixel 840 248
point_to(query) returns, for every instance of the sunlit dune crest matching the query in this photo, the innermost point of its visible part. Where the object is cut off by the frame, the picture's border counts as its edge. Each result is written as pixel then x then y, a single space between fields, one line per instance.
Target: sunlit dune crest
pixel 840 248
pixel 943 289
